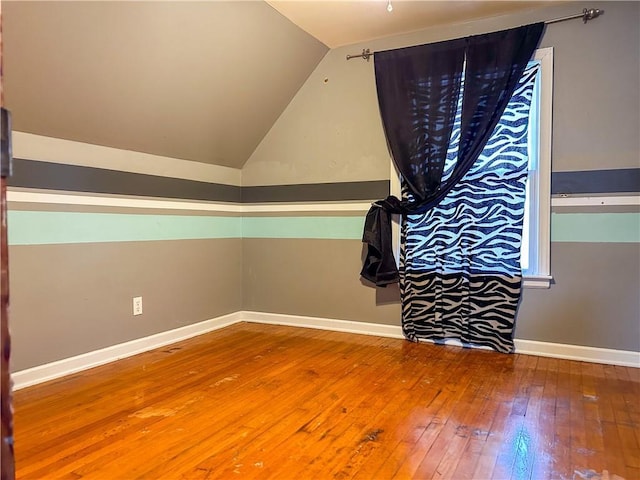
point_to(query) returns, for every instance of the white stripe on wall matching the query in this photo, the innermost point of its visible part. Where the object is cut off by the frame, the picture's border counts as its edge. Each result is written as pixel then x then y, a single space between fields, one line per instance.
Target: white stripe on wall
pixel 616 201
pixel 69 152
pixel 122 202
pixel 338 206
pixel 128 202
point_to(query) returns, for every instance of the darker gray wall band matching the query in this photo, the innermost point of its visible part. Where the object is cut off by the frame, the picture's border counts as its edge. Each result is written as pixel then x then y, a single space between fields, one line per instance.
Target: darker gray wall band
pixel 74 178
pixel 317 192
pixel 6 161
pixel 55 176
pixel 622 180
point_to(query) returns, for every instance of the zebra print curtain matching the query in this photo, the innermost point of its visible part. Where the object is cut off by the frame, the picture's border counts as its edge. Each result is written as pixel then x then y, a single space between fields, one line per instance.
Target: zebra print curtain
pixel 460 261
pixel 418 91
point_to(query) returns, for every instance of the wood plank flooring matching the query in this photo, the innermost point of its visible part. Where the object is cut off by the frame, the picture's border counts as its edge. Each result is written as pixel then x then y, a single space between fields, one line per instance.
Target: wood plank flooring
pixel 263 401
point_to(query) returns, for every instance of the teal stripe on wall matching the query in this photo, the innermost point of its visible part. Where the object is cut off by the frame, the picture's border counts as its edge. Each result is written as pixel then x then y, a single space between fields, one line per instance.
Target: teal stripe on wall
pixel 595 227
pixel 335 228
pixel 38 228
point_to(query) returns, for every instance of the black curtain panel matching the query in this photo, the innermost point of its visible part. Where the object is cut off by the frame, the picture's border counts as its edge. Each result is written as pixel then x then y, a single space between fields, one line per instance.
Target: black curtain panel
pixel 418 89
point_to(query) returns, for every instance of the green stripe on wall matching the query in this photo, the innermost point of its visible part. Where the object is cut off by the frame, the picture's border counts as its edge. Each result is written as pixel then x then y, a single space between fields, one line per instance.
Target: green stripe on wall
pixel 38 228
pixel 595 227
pixel 42 227
pixel 333 228
pixel 569 227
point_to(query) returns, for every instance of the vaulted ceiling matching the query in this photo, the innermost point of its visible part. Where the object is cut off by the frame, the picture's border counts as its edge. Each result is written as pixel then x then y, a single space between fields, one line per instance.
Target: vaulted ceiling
pixel 337 23
pixel 197 81
pixel 201 81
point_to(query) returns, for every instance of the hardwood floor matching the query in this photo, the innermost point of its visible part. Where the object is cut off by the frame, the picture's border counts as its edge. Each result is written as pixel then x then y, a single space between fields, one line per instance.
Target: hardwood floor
pixel 262 401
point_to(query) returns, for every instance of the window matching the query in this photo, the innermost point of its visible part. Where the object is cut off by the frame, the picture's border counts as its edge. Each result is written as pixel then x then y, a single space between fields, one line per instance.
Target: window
pixel 536 238
pixel 536 231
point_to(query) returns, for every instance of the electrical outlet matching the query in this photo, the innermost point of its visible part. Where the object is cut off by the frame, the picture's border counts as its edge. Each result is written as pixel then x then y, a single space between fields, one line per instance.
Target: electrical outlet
pixel 137 305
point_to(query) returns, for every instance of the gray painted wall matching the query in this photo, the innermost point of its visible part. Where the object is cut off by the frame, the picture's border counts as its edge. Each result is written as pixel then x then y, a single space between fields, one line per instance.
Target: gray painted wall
pixel 69 299
pixel 199 81
pixel 315 278
pixel 593 301
pixel 331 132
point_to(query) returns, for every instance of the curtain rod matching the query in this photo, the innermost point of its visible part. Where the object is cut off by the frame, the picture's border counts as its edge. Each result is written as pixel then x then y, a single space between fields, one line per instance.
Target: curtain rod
pixel 586 15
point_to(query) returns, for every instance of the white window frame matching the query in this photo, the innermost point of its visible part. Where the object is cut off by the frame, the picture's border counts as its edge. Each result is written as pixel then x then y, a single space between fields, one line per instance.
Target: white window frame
pixel 538 275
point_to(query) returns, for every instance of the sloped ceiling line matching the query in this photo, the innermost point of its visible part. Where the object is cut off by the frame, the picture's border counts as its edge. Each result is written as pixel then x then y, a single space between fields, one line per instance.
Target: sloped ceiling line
pixel 200 81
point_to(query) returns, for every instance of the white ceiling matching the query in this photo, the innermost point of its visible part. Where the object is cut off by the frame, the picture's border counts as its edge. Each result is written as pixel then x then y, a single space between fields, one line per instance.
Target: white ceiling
pixel 337 23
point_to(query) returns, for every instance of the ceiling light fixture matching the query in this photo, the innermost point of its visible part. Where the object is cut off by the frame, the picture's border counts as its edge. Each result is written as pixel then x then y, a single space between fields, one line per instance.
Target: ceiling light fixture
pixel 389 7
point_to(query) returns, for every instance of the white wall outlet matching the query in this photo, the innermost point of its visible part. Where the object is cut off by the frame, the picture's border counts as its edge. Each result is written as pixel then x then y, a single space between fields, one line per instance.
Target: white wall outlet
pixel 137 305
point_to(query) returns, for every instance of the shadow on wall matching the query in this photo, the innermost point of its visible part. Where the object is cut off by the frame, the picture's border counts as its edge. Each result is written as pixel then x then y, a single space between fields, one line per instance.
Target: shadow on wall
pixel 388 295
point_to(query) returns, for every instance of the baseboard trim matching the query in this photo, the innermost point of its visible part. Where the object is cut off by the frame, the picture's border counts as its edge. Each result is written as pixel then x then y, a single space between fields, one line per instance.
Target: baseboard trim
pixel 319 323
pixel 525 347
pixel 67 366
pixel 625 358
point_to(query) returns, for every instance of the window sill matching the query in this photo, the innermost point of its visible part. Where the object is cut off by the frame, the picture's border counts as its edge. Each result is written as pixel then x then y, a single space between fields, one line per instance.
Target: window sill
pixel 536 281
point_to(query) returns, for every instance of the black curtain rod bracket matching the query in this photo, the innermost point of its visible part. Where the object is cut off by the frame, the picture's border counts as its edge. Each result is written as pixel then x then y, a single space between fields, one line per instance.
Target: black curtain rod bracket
pixel 366 54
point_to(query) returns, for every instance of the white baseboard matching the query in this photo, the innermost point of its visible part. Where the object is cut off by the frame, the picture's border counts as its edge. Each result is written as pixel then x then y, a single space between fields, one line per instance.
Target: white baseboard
pixel 525 347
pixel 67 366
pixel 581 353
pixel 334 325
